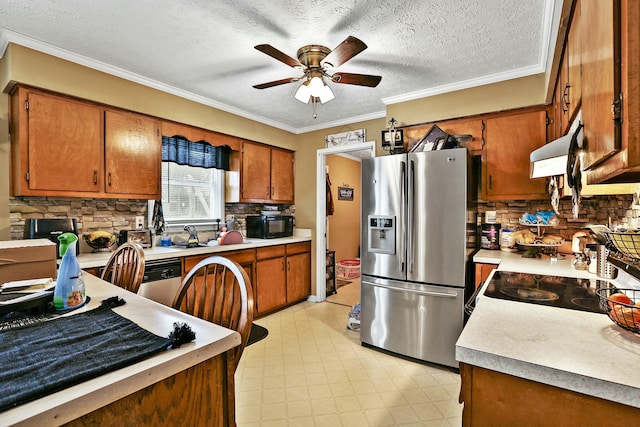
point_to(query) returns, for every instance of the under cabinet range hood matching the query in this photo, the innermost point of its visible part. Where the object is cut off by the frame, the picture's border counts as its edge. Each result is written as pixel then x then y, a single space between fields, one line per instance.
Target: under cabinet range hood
pixel 551 159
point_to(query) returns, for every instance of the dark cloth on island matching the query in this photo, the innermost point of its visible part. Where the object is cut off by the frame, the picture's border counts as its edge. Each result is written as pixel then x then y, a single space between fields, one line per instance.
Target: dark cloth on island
pixel 49 356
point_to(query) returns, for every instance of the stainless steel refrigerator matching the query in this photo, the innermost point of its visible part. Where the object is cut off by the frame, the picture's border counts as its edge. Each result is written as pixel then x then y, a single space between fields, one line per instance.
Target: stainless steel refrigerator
pixel 418 231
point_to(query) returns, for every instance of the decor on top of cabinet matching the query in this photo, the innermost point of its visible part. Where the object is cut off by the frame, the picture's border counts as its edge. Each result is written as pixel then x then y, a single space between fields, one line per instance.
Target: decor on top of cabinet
pixel 392 138
pixel 436 139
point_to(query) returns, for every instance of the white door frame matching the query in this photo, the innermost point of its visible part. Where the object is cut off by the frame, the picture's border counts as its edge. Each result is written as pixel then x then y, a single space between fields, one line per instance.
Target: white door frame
pixel 369 148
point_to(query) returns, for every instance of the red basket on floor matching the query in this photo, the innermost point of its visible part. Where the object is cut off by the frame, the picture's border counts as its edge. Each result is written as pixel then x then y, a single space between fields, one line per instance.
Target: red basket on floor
pixel 348 268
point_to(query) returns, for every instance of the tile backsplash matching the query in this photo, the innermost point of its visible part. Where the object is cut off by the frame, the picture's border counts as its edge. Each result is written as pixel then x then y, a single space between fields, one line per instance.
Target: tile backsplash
pixel 117 214
pixel 109 214
pixel 593 210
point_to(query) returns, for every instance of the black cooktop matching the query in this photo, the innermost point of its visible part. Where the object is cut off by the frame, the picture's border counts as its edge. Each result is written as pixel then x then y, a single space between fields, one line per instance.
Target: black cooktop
pixel 553 291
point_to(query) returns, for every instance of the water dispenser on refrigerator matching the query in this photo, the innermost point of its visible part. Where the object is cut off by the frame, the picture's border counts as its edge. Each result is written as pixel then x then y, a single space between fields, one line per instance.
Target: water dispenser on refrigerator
pixel 382 234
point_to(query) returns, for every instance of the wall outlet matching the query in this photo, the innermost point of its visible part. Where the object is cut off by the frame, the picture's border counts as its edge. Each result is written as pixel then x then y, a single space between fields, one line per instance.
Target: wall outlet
pixel 139 222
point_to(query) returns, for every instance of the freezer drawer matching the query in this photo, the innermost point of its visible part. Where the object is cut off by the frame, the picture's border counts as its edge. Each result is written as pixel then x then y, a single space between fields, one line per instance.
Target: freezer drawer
pixel 415 320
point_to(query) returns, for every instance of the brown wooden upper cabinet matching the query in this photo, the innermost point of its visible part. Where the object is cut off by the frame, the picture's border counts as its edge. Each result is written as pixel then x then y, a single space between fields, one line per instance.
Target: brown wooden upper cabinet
pixel 59 148
pixel 574 63
pixel 504 140
pixel 56 145
pixel 509 139
pixel 611 89
pixel 267 174
pixel 568 90
pixel 601 90
pixel 133 151
pixel 572 66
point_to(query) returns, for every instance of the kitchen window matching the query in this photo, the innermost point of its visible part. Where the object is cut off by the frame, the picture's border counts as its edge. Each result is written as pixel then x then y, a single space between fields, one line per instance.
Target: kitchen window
pixel 193 184
pixel 192 195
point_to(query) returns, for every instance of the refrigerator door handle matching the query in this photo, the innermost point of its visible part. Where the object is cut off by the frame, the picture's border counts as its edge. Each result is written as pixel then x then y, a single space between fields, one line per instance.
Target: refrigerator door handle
pixel 403 202
pixel 415 291
pixel 409 223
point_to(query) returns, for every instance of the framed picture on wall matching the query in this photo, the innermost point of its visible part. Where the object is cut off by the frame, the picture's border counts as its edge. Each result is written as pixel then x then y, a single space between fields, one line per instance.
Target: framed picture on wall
pixel 393 147
pixel 345 138
pixel 345 193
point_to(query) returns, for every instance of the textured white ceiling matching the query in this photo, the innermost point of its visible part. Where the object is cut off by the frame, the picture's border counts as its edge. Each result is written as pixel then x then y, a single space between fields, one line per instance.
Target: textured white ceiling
pixel 203 49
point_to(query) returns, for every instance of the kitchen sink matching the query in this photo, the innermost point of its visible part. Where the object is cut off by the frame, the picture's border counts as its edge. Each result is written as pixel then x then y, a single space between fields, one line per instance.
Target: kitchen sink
pixel 183 245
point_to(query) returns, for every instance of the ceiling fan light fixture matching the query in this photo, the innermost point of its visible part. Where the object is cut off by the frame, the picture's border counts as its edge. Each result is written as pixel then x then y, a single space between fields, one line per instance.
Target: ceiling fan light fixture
pixel 303 94
pixel 315 85
pixel 326 94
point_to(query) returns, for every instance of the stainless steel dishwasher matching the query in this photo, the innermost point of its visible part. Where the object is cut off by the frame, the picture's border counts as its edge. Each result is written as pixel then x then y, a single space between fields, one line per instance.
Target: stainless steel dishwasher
pixel 161 281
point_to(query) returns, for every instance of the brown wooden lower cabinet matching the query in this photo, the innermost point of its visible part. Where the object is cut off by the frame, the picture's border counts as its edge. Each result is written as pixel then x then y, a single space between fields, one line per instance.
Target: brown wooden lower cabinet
pixel 482 272
pixel 280 275
pixel 198 396
pixel 271 279
pixel 298 271
pixel 492 398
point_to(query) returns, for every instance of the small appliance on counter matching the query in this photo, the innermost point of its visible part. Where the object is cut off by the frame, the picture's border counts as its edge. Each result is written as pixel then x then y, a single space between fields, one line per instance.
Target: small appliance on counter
pixel 51 228
pixel 269 226
pixel 142 237
pixel 490 238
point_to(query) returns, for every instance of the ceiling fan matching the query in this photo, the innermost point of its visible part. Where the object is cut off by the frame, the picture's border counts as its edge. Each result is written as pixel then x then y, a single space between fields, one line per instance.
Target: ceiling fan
pixel 316 61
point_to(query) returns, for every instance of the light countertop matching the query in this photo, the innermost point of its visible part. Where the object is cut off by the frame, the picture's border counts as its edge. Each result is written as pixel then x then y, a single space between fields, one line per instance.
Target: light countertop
pixel 579 351
pixel 70 403
pixel 99 259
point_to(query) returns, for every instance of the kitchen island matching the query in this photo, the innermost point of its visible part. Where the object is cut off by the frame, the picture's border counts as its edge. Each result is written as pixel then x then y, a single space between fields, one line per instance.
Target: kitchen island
pixel 529 364
pixel 183 386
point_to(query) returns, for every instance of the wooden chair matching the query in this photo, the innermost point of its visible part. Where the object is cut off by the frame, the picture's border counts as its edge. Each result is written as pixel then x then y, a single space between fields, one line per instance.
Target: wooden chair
pixel 125 267
pixel 218 290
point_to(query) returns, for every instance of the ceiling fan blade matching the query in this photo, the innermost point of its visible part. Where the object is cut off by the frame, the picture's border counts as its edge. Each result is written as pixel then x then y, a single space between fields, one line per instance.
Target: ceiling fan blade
pixel 280 56
pixel 276 83
pixel 346 50
pixel 356 79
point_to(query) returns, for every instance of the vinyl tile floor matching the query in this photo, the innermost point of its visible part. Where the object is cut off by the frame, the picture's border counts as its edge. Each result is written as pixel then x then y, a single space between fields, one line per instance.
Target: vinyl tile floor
pixel 347 294
pixel 312 371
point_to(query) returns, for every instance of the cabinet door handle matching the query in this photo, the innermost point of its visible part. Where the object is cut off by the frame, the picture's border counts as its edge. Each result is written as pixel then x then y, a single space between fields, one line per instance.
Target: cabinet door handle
pixel 282 265
pixel 490 182
pixel 95 177
pixel 109 179
pixel 288 266
pixel 565 99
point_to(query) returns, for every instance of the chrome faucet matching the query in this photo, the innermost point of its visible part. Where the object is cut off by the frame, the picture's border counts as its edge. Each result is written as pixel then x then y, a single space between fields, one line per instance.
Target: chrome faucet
pixel 193 236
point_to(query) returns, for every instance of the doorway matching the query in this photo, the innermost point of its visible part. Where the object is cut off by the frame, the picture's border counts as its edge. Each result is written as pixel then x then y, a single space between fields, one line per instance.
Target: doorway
pixel 363 150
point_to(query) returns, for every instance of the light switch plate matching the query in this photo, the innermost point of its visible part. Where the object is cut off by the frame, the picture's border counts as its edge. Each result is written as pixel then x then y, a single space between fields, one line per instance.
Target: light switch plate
pixel 139 222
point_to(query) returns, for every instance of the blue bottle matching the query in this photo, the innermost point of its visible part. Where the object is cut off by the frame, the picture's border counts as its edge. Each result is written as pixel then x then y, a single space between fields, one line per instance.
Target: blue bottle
pixel 69 292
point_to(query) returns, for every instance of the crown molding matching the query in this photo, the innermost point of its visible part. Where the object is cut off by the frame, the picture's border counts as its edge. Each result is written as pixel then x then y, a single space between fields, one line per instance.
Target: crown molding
pixel 7 36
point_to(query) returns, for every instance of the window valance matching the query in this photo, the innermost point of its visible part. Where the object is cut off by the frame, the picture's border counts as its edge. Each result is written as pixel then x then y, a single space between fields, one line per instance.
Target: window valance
pixel 179 149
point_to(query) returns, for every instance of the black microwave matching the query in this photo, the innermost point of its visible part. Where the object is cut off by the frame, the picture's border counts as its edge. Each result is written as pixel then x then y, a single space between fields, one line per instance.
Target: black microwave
pixel 269 226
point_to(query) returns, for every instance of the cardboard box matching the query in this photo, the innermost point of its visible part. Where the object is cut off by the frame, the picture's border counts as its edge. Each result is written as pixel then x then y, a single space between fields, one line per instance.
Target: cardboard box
pixel 27 259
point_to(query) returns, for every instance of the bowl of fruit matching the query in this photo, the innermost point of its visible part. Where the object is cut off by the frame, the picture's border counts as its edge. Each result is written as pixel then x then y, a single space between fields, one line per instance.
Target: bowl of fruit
pixel 100 241
pixel 622 306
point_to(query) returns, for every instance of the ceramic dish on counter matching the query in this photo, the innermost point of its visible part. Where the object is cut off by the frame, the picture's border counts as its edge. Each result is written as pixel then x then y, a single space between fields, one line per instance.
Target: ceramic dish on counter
pixel 100 241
